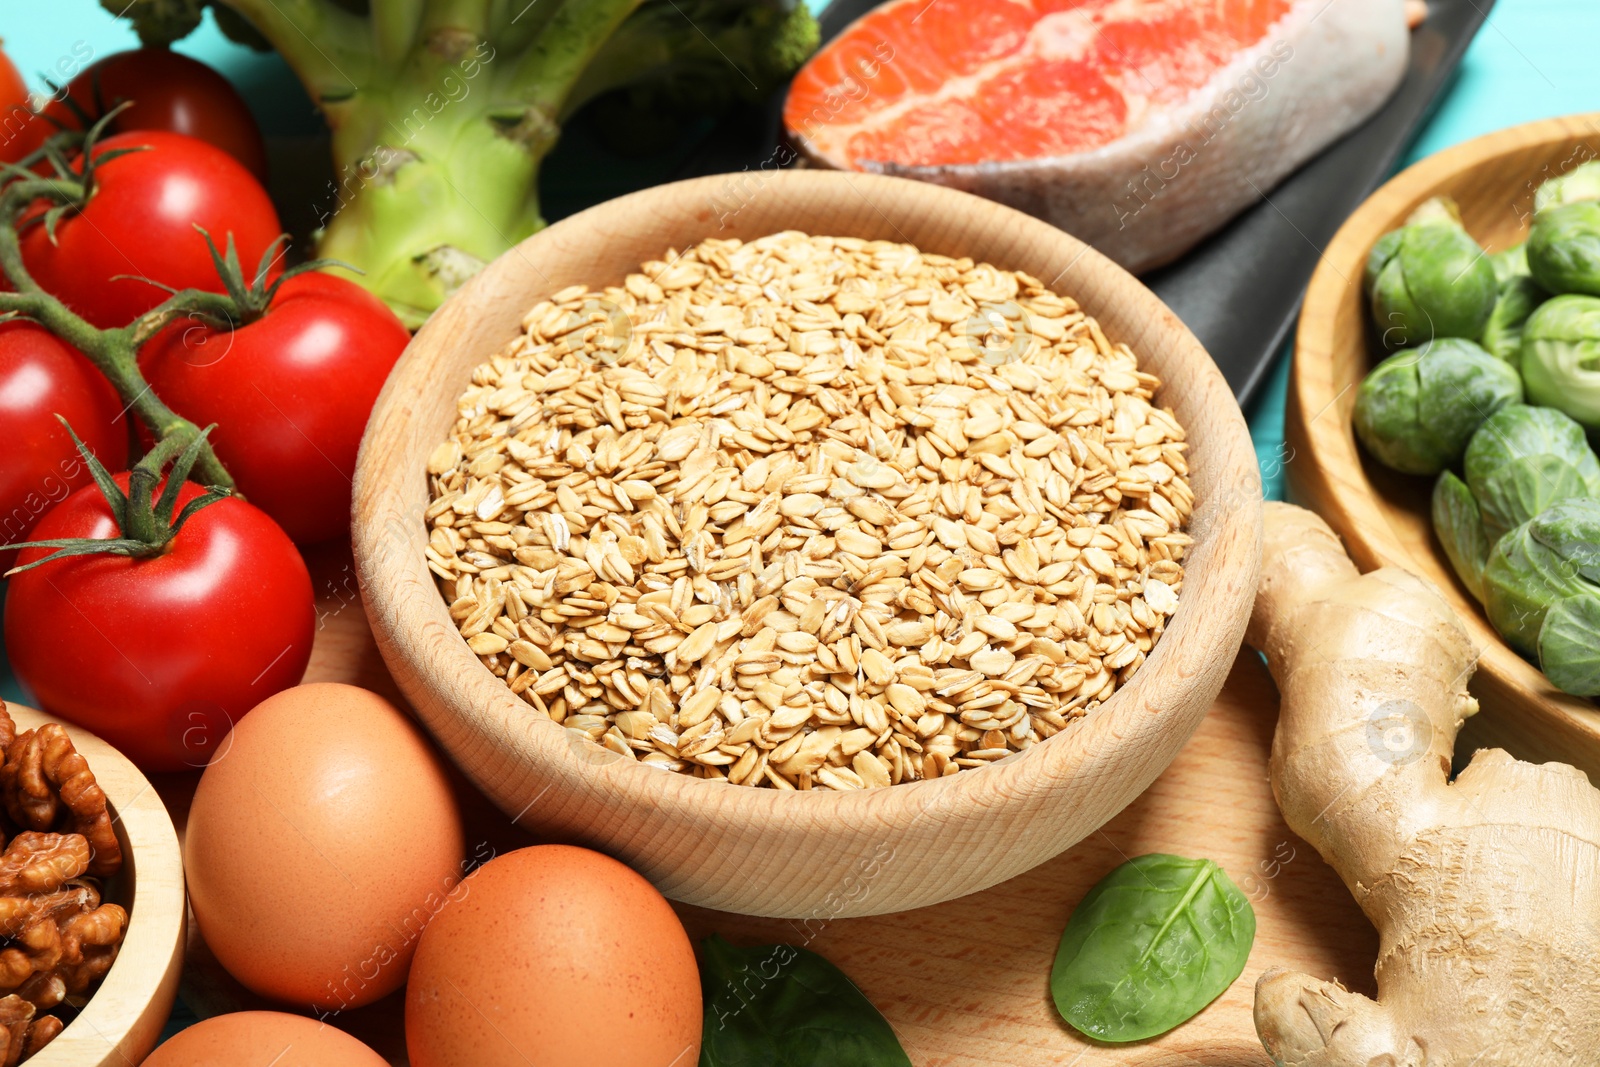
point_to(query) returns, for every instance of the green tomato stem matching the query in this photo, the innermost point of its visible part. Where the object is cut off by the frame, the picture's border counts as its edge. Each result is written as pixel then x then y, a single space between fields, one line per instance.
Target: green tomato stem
pixel 140 521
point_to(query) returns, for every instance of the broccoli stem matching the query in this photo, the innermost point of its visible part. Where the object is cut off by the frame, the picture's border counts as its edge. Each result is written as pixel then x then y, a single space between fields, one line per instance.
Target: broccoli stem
pixel 515 24
pixel 426 198
pixel 328 47
pixel 467 15
pixel 394 29
pixel 443 110
pixel 545 74
pixel 438 132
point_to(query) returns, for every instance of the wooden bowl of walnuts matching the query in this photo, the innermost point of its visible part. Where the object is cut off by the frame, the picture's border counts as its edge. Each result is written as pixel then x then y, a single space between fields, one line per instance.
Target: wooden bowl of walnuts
pixel 127 908
pixel 819 544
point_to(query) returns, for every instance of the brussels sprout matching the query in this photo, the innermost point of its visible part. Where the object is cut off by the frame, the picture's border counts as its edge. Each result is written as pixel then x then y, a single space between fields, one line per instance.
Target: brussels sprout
pixel 1578 184
pixel 1522 460
pixel 1417 410
pixel 1383 252
pixel 1540 563
pixel 1512 263
pixel 1519 296
pixel 1561 357
pixel 1458 524
pixel 1502 334
pixel 1430 279
pixel 1569 645
pixel 1564 248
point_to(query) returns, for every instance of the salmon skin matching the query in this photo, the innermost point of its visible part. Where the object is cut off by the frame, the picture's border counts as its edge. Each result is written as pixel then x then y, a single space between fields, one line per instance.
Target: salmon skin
pixel 1139 126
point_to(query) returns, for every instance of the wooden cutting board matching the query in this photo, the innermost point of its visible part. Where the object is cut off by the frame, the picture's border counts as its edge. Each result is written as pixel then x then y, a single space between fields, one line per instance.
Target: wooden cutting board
pixel 966 983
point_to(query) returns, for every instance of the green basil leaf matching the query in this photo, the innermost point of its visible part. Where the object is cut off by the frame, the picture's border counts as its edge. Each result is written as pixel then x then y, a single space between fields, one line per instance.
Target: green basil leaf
pixel 784 1006
pixel 1155 941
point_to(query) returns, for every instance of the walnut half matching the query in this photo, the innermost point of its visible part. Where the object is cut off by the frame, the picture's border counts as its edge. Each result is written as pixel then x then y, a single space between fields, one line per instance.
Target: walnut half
pixel 22 1033
pixel 57 939
pixel 46 785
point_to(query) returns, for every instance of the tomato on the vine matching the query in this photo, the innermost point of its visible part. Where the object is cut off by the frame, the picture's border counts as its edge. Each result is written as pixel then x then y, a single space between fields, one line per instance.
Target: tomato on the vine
pixel 139 222
pixel 166 90
pixel 290 394
pixel 41 377
pixel 161 655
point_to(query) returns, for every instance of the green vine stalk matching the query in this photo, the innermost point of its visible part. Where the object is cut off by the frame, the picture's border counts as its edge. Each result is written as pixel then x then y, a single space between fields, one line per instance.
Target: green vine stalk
pixel 114 352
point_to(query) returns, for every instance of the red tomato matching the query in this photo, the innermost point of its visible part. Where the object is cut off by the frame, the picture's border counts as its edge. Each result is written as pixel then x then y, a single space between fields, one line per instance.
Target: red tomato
pixel 160 656
pixel 290 394
pixel 140 220
pixel 21 131
pixel 41 377
pixel 171 92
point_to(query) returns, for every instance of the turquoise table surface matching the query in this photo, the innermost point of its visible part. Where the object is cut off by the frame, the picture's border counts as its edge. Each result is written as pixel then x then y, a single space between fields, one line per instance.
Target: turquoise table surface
pixel 1533 59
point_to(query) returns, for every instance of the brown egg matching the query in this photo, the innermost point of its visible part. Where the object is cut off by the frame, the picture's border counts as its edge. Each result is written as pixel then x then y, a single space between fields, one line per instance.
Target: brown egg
pixel 323 838
pixel 263 1039
pixel 557 956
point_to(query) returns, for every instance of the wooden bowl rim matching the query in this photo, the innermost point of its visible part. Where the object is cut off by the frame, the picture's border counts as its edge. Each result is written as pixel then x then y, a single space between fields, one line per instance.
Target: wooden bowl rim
pixel 156 913
pixel 1218 586
pixel 1368 532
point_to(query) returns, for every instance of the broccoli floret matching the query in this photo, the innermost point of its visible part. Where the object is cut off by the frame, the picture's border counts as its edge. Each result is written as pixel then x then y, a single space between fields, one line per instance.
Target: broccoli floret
pixel 159 22
pixel 702 54
pixel 236 28
pixel 790 37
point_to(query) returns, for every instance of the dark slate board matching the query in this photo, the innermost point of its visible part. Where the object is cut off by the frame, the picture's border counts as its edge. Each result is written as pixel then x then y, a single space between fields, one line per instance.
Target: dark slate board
pixel 1240 290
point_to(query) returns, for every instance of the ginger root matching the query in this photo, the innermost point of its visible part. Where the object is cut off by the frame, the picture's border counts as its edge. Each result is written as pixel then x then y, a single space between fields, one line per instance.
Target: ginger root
pixel 1485 892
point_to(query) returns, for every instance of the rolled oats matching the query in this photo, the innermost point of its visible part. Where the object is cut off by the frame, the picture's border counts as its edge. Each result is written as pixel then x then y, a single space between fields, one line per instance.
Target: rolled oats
pixel 811 512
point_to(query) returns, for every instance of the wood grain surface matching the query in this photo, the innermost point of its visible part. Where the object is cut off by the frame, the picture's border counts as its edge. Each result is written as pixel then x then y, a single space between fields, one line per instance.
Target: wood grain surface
pixel 1383 515
pixel 123 1019
pixel 965 983
pixel 763 851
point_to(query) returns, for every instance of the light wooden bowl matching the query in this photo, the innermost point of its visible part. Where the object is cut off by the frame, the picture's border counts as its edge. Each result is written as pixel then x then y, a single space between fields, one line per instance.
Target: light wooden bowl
pixel 815 855
pixel 1382 515
pixel 123 1020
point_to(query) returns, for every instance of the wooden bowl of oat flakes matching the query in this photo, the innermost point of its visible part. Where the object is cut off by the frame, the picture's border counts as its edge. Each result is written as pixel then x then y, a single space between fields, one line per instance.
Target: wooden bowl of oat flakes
pixel 811 576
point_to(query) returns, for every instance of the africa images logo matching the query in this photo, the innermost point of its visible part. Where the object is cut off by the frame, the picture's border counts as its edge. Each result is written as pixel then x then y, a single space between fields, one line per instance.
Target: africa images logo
pixel 1399 732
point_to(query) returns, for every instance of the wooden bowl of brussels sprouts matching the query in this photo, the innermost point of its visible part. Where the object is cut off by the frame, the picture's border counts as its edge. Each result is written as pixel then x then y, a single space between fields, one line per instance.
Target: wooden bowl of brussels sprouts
pixel 1447 367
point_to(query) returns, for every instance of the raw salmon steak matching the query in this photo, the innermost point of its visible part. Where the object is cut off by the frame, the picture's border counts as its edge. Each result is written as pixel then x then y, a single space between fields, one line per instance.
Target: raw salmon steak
pixel 1139 126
